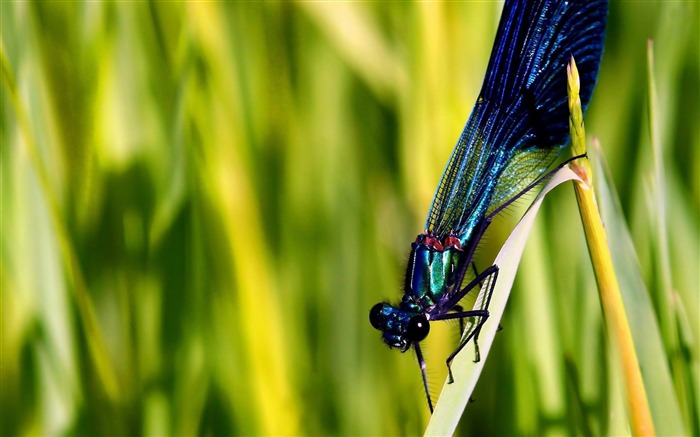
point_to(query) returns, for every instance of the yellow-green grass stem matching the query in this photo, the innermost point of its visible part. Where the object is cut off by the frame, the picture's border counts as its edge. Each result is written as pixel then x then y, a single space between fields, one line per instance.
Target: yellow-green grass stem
pixel 608 288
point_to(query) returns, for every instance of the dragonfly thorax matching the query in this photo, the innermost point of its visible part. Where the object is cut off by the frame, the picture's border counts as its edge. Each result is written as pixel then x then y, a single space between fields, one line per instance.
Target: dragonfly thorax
pixel 433 268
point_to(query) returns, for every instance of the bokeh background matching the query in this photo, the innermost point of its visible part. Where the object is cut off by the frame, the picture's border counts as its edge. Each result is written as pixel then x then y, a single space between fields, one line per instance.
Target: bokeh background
pixel 201 202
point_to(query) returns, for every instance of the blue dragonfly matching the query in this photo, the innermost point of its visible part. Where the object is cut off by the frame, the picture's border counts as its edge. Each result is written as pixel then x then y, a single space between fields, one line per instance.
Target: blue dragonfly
pixel 516 131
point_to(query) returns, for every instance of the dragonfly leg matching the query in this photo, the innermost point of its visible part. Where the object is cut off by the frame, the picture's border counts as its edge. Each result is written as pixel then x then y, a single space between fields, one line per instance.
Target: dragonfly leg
pixel 459 309
pixel 421 363
pixel 483 315
pixel 481 284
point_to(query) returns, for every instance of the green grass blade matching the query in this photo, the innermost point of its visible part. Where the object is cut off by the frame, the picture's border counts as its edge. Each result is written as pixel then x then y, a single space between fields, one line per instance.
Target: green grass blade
pixel 670 313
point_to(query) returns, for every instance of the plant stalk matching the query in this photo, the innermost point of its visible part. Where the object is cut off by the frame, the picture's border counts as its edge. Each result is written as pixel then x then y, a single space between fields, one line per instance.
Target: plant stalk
pixel 608 288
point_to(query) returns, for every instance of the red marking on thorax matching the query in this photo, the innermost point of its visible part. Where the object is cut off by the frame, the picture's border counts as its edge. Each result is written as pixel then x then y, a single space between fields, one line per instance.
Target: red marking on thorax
pixel 452 241
pixel 433 242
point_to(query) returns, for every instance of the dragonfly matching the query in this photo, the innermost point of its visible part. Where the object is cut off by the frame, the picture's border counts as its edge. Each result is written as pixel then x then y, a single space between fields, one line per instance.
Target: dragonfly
pixel 515 133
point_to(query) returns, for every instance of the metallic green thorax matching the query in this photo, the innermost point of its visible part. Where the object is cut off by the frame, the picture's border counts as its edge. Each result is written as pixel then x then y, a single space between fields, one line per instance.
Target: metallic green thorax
pixel 431 271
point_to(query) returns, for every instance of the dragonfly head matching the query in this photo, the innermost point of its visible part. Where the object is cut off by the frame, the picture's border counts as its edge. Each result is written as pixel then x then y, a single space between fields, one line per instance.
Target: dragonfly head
pixel 399 328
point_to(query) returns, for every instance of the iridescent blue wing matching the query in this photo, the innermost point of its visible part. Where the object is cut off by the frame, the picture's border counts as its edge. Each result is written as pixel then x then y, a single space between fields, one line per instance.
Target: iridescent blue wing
pixel 519 124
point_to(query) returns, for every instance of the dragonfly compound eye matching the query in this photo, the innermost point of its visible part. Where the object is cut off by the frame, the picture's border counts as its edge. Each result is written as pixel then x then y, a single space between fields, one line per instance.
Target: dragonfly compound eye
pixel 376 317
pixel 418 328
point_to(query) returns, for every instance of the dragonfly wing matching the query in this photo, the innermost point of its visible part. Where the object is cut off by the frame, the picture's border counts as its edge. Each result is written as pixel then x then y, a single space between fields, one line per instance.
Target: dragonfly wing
pixel 521 116
pixel 523 169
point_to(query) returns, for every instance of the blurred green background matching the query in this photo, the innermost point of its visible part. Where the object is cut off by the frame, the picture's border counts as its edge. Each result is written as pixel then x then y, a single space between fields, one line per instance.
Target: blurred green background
pixel 201 202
